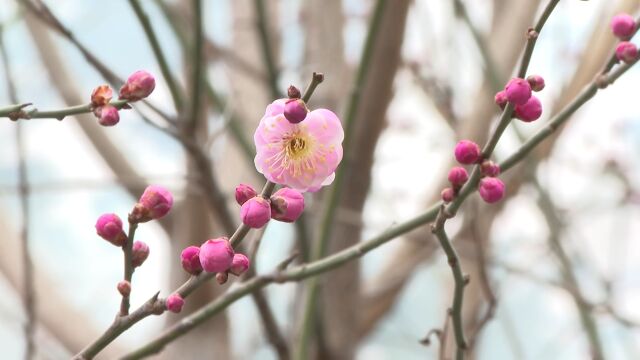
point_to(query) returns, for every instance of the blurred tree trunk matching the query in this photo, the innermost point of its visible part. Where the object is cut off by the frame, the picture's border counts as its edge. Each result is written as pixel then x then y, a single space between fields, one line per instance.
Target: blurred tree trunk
pixel 341 287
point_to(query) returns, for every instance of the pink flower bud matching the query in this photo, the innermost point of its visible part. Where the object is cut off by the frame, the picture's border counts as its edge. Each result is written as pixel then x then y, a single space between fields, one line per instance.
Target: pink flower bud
pixel 489 168
pixel 501 99
pixel 101 96
pixel 139 253
pixel 623 26
pixel 491 189
pixel 239 265
pixel 190 259
pixel 529 111
pixel 626 52
pixel 174 303
pixel 447 195
pixel 222 277
pixel 467 152
pixel 154 203
pixel 124 288
pixel 287 205
pixel 293 92
pixel 108 115
pixel 295 110
pixel 518 91
pixel 256 212
pixel 536 82
pixel 109 227
pixel 458 176
pixel 216 255
pixel 139 85
pixel 244 192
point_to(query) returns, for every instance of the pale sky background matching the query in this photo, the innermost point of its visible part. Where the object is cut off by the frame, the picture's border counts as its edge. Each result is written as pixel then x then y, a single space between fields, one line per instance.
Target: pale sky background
pixel 72 186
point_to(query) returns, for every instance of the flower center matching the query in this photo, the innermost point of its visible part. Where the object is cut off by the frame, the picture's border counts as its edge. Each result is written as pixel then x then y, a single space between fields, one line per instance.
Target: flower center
pixel 296 147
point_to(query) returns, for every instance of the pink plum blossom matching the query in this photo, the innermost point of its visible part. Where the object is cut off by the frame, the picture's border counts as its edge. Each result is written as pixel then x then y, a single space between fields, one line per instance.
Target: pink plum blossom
pixel 174 303
pixel 256 212
pixel 529 111
pixel 467 152
pixel 623 26
pixel 139 85
pixel 108 115
pixel 302 156
pixel 190 260
pixel 458 176
pixel 287 205
pixel 139 253
pixel 626 52
pixel 489 168
pixel 109 227
pixel 518 91
pixel 491 189
pixel 244 192
pixel 239 265
pixel 155 202
pixel 216 255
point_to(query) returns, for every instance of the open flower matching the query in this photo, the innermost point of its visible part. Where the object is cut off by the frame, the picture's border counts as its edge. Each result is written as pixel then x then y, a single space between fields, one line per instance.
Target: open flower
pixel 302 156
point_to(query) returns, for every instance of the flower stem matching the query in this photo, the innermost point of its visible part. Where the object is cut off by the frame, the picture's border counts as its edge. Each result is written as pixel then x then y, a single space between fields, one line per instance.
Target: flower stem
pixel 128 265
pixel 265 44
pixel 143 18
pixel 17 111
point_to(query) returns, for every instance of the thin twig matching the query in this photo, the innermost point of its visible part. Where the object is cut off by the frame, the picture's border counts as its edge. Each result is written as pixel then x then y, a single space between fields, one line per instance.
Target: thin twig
pixel 23 180
pixel 234 123
pixel 196 65
pixel 491 69
pixel 460 281
pixel 267 47
pixel 271 329
pixel 17 111
pixel 172 84
pixel 532 37
pixel 487 290
pixel 128 265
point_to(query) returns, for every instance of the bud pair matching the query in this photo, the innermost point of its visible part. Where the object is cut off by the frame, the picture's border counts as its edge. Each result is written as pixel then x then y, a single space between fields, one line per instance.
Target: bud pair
pixel 284 205
pixel 214 256
pixel 107 114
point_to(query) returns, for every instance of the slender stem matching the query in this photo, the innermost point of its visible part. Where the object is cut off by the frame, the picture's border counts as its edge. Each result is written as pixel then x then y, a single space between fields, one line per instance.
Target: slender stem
pixel 267 47
pixel 196 64
pixel 532 37
pixel 491 69
pixel 326 225
pixel 23 181
pixel 16 111
pixel 143 18
pixel 316 79
pixel 459 279
pixel 234 123
pixel 128 265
